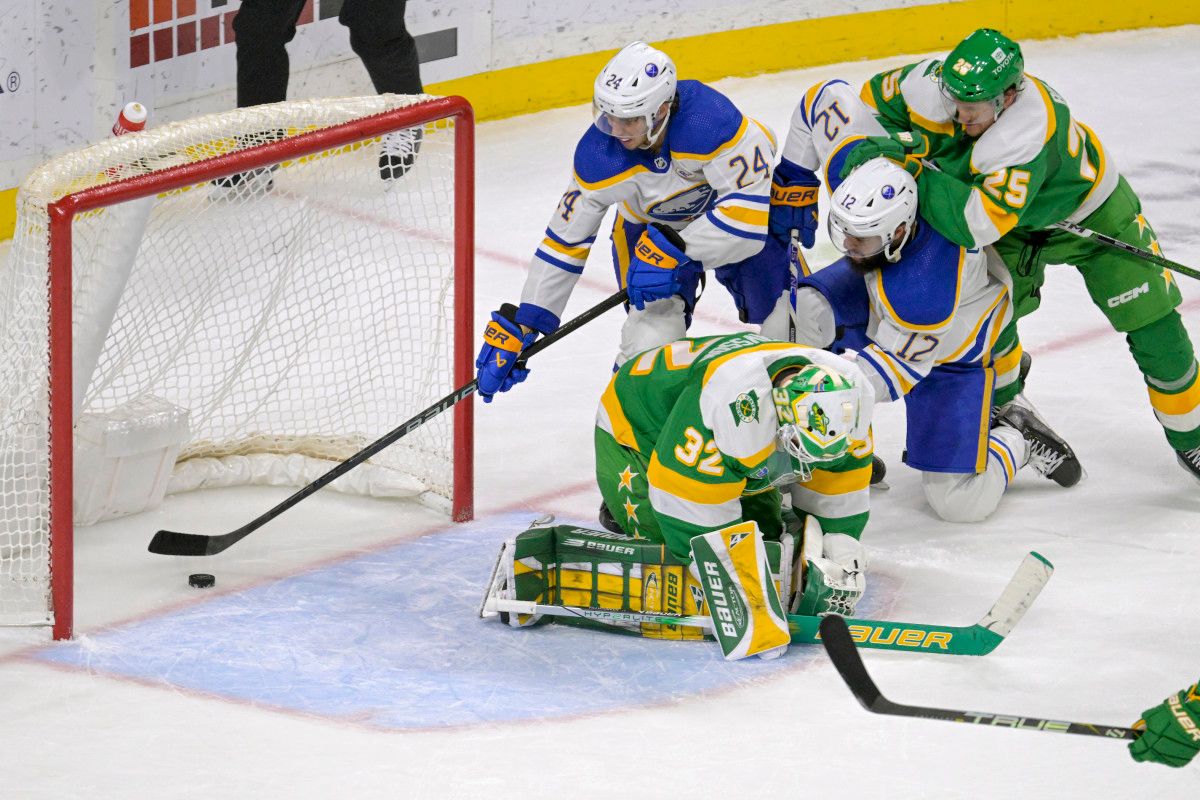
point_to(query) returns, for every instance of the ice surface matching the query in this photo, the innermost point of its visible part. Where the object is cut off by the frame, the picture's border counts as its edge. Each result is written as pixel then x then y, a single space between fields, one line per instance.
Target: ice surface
pixel 338 655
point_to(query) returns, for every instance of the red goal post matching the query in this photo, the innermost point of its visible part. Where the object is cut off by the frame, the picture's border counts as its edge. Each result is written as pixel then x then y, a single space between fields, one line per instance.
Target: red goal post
pixel 294 198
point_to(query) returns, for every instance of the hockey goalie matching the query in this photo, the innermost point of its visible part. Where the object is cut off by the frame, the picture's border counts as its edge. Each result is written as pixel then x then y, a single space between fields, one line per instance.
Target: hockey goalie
pixel 734 471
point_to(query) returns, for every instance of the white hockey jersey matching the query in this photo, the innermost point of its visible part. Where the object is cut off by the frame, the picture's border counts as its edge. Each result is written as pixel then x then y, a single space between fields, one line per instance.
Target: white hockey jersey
pixel 711 181
pixel 939 304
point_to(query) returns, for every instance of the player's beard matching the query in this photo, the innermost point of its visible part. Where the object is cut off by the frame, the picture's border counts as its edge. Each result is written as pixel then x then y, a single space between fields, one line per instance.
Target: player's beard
pixel 865 266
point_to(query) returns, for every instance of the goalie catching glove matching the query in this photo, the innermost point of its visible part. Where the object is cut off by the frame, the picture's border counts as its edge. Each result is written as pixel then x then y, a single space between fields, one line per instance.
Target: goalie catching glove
pixel 654 271
pixel 835 574
pixel 503 341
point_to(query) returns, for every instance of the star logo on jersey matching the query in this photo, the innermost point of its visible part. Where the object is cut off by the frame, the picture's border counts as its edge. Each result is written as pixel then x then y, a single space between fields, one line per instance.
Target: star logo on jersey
pixel 631 511
pixel 745 408
pixel 1142 224
pixel 626 477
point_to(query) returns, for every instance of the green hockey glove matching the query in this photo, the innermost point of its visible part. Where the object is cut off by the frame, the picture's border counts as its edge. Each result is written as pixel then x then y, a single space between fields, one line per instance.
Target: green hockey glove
pixel 1172 730
pixel 905 148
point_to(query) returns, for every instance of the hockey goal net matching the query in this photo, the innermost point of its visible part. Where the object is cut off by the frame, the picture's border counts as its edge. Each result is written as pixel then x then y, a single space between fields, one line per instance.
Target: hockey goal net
pixel 249 296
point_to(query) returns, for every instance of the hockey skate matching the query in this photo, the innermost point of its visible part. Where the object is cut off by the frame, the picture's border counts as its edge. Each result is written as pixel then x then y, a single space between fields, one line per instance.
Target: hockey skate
pixel 1190 460
pixel 608 521
pixel 1049 454
pixel 397 152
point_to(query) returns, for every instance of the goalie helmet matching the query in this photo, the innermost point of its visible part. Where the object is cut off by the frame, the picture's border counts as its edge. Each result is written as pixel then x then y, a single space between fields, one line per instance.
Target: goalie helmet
pixel 634 85
pixel 869 206
pixel 818 409
pixel 981 69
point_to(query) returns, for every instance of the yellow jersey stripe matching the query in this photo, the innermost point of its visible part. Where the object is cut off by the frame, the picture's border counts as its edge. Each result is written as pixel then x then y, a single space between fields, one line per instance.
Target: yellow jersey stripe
pixel 1010 360
pixel 1101 167
pixel 1009 468
pixel 758 458
pixel 737 137
pixel 883 298
pixel 613 181
pixel 621 245
pixel 747 216
pixel 1051 124
pixel 764 347
pixel 621 429
pixel 830 483
pixel 985 423
pixel 925 122
pixel 580 253
pixel 1003 220
pixel 868 97
pixel 969 339
pixel 668 480
pixel 849 140
pixel 1182 403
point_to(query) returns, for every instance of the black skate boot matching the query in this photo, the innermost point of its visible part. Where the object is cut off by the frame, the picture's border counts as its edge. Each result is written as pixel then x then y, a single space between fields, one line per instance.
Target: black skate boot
pixel 1049 454
pixel 1190 460
pixel 608 521
pixel 398 151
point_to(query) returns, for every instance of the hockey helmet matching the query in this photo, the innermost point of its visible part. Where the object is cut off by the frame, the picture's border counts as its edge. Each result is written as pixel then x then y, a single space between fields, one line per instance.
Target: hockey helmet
pixel 634 85
pixel 981 69
pixel 868 207
pixel 818 409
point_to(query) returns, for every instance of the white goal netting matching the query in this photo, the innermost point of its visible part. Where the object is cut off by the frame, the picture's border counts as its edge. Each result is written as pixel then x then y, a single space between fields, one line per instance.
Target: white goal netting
pixel 252 328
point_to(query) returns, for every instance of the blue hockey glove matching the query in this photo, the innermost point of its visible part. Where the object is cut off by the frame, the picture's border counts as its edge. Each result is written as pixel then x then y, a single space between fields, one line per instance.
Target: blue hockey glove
pixel 503 341
pixel 905 148
pixel 654 271
pixel 794 191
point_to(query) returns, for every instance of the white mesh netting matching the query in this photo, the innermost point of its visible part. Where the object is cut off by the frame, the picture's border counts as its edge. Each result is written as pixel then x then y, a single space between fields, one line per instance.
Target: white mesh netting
pixel 301 312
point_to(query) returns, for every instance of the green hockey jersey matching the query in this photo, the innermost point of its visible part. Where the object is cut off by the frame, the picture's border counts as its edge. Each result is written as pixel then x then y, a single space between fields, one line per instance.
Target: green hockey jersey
pixel 700 413
pixel 1035 166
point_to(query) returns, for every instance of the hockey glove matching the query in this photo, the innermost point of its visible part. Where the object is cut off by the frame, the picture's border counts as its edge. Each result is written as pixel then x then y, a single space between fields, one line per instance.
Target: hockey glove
pixel 905 148
pixel 1172 730
pixel 503 341
pixel 794 191
pixel 654 271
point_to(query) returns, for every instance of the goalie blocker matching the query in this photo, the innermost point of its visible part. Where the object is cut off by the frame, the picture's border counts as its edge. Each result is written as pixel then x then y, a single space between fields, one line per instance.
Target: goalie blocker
pixel 737 586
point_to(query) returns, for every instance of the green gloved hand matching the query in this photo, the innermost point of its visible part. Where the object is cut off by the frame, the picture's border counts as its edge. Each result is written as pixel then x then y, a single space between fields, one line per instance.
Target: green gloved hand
pixel 905 148
pixel 1172 730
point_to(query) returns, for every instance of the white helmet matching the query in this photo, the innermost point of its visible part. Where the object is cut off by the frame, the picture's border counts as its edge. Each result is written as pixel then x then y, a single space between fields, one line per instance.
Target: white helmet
pixel 870 204
pixel 634 85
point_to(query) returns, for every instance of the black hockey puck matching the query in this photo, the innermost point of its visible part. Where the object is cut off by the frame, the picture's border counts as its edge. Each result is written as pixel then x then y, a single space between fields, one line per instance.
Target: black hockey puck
pixel 201 580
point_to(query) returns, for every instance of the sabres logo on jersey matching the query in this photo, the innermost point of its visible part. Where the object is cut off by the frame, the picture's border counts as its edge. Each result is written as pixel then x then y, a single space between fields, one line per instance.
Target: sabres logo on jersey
pixel 686 205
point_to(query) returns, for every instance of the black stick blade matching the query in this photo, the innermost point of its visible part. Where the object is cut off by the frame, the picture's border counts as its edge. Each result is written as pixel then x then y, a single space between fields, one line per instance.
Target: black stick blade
pixel 173 543
pixel 844 655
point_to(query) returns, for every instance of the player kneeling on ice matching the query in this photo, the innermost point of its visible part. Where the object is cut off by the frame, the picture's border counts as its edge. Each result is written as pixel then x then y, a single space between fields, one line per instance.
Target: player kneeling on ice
pixel 924 315
pixel 694 441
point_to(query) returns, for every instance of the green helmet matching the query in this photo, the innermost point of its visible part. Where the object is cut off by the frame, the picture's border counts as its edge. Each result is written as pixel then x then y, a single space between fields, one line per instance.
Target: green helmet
pixel 982 67
pixel 818 409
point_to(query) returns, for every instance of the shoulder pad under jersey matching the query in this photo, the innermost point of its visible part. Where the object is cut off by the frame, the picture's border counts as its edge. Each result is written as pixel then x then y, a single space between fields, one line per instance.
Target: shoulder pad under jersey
pixel 1021 132
pixel 921 290
pixel 601 161
pixel 705 123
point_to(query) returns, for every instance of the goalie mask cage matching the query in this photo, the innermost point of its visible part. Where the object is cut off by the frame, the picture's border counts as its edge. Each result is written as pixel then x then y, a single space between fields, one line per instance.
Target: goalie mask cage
pixel 249 280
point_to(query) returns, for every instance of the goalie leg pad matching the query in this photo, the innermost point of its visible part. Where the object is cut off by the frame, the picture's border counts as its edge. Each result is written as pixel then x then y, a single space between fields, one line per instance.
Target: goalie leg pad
pixel 748 618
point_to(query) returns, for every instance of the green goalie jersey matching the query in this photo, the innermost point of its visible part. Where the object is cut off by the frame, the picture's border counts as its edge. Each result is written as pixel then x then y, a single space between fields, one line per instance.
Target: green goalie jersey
pixel 1034 167
pixel 689 430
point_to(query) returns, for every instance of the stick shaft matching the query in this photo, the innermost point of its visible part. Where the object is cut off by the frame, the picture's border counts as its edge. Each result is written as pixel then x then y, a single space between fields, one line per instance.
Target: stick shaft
pixel 176 543
pixel 1117 244
pixel 845 656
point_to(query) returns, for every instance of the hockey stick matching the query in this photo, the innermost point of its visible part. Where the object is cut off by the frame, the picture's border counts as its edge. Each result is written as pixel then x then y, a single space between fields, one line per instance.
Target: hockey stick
pixel 1117 244
pixel 970 640
pixel 845 656
pixel 175 543
pixel 794 257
